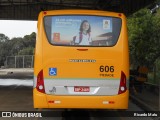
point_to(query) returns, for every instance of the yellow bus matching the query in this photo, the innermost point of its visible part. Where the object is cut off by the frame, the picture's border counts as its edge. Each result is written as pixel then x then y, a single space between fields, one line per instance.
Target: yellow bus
pixel 81 60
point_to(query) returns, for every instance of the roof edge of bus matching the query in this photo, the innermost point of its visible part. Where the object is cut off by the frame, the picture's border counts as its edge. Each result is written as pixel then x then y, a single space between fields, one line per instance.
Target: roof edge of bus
pixel 74 11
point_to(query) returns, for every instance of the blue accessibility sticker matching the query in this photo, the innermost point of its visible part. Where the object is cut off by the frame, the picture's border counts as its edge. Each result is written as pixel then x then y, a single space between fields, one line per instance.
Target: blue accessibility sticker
pixel 52 71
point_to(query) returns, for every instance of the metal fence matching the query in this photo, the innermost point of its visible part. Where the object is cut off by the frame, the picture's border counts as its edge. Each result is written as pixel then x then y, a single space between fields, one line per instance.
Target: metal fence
pixel 20 61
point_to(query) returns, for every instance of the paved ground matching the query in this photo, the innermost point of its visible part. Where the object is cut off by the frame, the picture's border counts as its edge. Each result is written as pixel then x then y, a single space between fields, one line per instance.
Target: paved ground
pixel 148 99
pixel 18 73
pixel 16 98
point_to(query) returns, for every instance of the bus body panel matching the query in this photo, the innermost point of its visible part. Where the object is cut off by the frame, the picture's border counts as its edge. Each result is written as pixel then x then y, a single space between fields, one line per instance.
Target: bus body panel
pixel 81 66
pixel 96 102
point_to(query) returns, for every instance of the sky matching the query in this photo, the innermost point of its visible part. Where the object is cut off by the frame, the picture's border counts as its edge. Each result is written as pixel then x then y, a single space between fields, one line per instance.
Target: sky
pixel 15 28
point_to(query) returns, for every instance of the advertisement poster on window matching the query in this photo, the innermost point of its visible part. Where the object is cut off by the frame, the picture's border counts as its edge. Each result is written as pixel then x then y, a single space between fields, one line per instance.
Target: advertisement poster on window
pixel 81 30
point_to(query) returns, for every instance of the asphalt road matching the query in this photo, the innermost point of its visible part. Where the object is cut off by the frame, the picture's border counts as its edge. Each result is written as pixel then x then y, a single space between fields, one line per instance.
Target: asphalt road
pixel 19 98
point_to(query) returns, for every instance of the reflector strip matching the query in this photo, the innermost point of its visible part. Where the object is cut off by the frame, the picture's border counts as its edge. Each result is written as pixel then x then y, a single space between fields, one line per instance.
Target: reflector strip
pixel 55 102
pixel 111 102
pixel 108 102
pixel 105 102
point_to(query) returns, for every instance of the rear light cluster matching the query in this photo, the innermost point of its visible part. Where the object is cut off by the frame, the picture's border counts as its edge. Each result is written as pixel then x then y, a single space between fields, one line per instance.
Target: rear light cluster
pixel 40 82
pixel 122 86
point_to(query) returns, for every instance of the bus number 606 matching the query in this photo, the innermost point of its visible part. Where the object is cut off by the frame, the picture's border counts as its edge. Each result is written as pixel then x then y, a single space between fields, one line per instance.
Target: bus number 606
pixel 106 68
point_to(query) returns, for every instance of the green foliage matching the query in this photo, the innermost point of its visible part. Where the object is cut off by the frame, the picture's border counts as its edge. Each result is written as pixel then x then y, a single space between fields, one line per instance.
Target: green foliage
pixel 3 38
pixel 29 40
pixel 4 51
pixel 26 51
pixel 16 46
pixel 154 74
pixel 144 29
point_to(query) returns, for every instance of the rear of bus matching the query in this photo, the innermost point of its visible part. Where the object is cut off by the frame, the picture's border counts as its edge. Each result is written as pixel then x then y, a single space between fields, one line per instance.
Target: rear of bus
pixel 69 74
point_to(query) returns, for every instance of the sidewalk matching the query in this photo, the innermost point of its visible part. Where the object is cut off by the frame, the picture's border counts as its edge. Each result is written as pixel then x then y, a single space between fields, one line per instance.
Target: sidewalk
pixel 147 99
pixel 18 73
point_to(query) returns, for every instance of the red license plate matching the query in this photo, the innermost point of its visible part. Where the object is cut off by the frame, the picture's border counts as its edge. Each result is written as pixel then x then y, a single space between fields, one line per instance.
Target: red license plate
pixel 81 89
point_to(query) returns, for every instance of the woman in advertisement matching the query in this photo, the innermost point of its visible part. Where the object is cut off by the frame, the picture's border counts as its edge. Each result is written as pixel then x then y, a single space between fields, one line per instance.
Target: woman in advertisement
pixel 84 36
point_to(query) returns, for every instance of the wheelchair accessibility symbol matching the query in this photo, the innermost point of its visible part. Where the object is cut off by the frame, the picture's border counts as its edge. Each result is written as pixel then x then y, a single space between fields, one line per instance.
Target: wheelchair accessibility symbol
pixel 52 71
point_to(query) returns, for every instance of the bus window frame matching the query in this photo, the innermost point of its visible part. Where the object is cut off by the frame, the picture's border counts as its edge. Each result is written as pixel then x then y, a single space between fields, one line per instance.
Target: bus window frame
pixel 80 45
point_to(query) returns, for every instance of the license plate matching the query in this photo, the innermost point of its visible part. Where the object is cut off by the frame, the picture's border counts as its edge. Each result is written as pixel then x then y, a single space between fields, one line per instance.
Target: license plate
pixel 81 89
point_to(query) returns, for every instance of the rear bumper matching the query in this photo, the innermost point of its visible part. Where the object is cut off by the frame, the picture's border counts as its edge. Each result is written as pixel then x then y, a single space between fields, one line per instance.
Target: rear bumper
pixel 42 100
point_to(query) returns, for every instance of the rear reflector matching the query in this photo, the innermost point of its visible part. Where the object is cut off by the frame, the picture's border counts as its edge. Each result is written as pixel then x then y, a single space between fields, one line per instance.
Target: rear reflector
pixel 108 102
pixel 54 102
pixel 40 82
pixel 122 86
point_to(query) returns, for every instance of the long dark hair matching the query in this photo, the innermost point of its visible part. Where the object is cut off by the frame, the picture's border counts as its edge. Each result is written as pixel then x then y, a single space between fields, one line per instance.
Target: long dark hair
pixel 81 26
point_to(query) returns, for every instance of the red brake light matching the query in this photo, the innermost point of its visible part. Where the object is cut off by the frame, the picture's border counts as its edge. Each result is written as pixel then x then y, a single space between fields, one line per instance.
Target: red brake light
pixel 40 82
pixel 122 86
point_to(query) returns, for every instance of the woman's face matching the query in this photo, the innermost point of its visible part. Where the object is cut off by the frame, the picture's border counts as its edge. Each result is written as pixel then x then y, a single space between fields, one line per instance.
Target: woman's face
pixel 85 26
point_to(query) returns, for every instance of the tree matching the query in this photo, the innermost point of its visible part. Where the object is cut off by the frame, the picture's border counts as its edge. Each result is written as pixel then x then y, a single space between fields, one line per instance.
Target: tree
pixel 144 37
pixel 3 38
pixel 4 49
pixel 26 51
pixel 17 45
pixel 29 40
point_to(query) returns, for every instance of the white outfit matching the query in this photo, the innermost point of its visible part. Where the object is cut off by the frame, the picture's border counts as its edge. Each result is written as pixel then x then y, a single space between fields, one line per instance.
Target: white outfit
pixel 86 39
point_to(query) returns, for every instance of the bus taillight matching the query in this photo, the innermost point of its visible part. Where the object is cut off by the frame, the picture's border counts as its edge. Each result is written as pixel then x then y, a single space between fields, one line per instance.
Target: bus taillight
pixel 122 86
pixel 40 82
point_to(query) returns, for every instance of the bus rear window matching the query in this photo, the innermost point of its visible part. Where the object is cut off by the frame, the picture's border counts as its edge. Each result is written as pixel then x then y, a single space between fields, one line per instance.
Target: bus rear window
pixel 82 30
